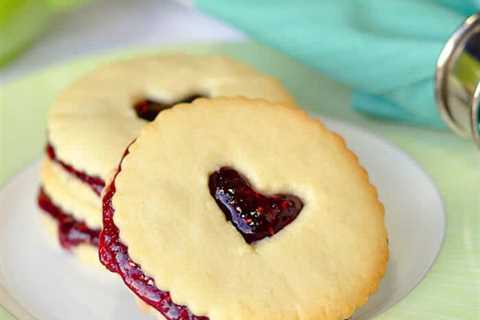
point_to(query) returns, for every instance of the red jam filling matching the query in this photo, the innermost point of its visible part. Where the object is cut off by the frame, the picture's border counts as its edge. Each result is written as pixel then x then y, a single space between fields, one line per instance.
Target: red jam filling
pixel 71 232
pixel 96 183
pixel 253 214
pixel 114 255
pixel 148 109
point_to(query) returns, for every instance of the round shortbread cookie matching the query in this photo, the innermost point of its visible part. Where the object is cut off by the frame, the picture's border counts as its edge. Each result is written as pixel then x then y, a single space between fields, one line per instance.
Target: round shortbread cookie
pixel 86 253
pixel 322 265
pixel 72 195
pixel 63 194
pixel 93 120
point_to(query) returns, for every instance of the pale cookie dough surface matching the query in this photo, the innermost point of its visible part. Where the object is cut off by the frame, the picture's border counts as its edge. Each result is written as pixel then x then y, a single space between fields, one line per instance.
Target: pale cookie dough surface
pixel 321 266
pixel 71 194
pixel 93 121
pixel 86 253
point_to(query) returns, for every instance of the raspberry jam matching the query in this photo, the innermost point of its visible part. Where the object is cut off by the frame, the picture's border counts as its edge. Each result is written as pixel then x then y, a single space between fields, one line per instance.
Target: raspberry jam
pixel 114 255
pixel 148 109
pixel 71 232
pixel 96 183
pixel 253 214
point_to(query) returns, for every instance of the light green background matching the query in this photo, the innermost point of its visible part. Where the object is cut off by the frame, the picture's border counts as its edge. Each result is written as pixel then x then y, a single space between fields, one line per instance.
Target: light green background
pixel 452 288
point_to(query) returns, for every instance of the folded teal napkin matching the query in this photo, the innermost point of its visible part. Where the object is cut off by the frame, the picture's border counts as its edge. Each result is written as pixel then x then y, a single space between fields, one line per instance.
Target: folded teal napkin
pixel 385 50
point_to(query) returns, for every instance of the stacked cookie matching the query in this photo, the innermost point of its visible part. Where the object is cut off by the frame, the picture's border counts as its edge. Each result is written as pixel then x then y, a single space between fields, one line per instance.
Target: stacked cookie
pixel 221 208
pixel 94 119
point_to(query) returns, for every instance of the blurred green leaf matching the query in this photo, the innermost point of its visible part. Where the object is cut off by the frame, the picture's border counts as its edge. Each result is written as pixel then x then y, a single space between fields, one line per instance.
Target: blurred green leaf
pixel 21 21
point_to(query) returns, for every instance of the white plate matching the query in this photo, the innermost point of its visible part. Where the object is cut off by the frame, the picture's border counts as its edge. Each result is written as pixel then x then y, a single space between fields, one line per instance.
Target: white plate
pixel 49 284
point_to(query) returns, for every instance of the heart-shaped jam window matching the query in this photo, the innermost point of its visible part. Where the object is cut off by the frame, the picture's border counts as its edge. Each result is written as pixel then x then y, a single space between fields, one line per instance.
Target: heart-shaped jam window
pixel 148 109
pixel 253 214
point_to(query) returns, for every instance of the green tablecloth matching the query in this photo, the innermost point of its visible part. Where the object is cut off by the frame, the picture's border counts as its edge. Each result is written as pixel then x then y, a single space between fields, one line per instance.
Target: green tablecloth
pixel 451 290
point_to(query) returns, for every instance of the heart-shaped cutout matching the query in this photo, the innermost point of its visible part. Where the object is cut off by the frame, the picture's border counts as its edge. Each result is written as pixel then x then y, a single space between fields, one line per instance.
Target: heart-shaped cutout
pixel 148 109
pixel 253 214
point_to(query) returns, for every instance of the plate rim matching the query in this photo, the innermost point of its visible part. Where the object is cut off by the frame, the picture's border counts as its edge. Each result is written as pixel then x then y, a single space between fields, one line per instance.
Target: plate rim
pixel 329 122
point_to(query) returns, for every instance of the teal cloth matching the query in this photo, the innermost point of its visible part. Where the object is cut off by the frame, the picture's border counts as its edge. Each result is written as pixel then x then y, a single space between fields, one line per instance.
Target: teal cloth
pixel 385 50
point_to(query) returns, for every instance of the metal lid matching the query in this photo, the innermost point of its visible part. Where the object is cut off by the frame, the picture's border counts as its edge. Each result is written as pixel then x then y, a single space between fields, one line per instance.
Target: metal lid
pixel 457 80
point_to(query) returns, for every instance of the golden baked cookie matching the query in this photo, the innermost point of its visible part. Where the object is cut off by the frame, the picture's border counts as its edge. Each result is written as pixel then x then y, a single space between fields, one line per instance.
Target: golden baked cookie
pixel 73 234
pixel 95 118
pixel 242 209
pixel 85 253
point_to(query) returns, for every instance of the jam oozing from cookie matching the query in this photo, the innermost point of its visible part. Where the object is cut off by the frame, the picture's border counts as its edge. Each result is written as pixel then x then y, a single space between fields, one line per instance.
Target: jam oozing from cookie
pixel 253 214
pixel 71 232
pixel 114 255
pixel 148 109
pixel 95 183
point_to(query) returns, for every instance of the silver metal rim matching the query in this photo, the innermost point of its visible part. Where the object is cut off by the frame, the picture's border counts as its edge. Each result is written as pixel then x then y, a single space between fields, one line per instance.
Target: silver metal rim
pixel 475 125
pixel 448 54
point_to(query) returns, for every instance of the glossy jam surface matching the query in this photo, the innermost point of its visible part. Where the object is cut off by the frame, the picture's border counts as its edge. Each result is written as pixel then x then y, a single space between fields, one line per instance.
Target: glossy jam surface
pixel 95 183
pixel 148 109
pixel 114 255
pixel 253 214
pixel 71 232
